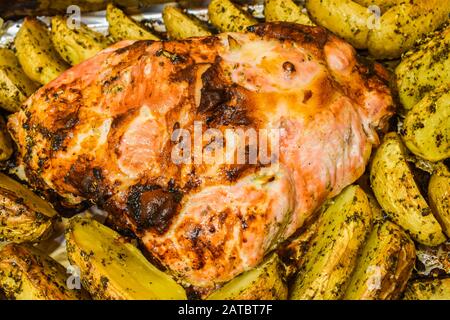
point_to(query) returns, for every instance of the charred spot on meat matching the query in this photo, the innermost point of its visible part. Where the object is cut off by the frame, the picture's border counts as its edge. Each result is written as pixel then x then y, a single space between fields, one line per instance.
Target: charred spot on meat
pixel 150 206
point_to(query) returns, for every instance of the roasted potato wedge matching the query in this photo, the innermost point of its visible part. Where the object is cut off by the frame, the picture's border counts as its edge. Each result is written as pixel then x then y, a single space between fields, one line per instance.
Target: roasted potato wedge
pixel 6 147
pixel 28 274
pixel 382 4
pixel 35 52
pixel 265 282
pixel 331 257
pixel 293 253
pixel 439 196
pixel 285 10
pixel 346 18
pixel 24 217
pixel 180 25
pixel 384 265
pixel 398 194
pixel 122 27
pixel 377 211
pixel 402 25
pixel 226 16
pixel 15 86
pixel 424 69
pixel 426 129
pixel 431 289
pixel 78 44
pixel 113 269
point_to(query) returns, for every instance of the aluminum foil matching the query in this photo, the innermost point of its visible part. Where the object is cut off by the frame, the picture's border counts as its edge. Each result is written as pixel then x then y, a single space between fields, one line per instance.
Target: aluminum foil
pixel 150 16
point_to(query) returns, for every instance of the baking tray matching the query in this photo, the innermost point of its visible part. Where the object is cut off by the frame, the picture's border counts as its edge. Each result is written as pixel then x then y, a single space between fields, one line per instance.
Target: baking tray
pixel 149 12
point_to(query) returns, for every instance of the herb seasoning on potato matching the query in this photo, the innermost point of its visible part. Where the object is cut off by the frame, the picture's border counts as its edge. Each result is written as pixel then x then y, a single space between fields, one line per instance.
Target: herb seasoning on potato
pixel 113 269
pixel 35 52
pixel 27 274
pixel 285 10
pixel 78 44
pixel 226 16
pixel 428 289
pixel 331 258
pixel 180 25
pixel 265 282
pixel 24 217
pixel 439 196
pixel 122 27
pixel 398 194
pixel 15 86
pixel 384 265
pixel 426 129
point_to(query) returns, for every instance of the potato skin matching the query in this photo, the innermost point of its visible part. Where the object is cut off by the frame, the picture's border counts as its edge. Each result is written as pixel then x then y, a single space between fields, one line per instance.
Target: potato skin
pixel 331 257
pixel 76 45
pixel 398 194
pixel 24 217
pixel 285 10
pixel 384 265
pixel 402 25
pixel 265 282
pixel 35 52
pixel 345 18
pixel 382 4
pixel 6 145
pixel 28 274
pixel 122 27
pixel 113 269
pixel 180 25
pixel 426 129
pixel 226 16
pixel 439 196
pixel 15 86
pixel 293 252
pixel 429 289
pixel 424 69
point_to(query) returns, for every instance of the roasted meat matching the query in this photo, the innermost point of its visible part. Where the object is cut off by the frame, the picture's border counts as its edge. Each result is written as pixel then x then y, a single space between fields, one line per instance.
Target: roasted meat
pixel 106 130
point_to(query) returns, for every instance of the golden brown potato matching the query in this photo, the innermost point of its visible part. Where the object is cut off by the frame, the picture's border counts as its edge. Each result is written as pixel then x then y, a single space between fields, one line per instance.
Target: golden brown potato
pixel 426 129
pixel 382 4
pixel 424 69
pixel 113 269
pixel 384 265
pixel 293 252
pixel 180 25
pixel 402 25
pixel 331 257
pixel 439 196
pixel 78 44
pixel 431 289
pixel 15 86
pixel 265 282
pixel 35 52
pixel 285 10
pixel 346 18
pixel 398 194
pixel 226 16
pixel 24 217
pixel 6 147
pixel 27 274
pixel 122 27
